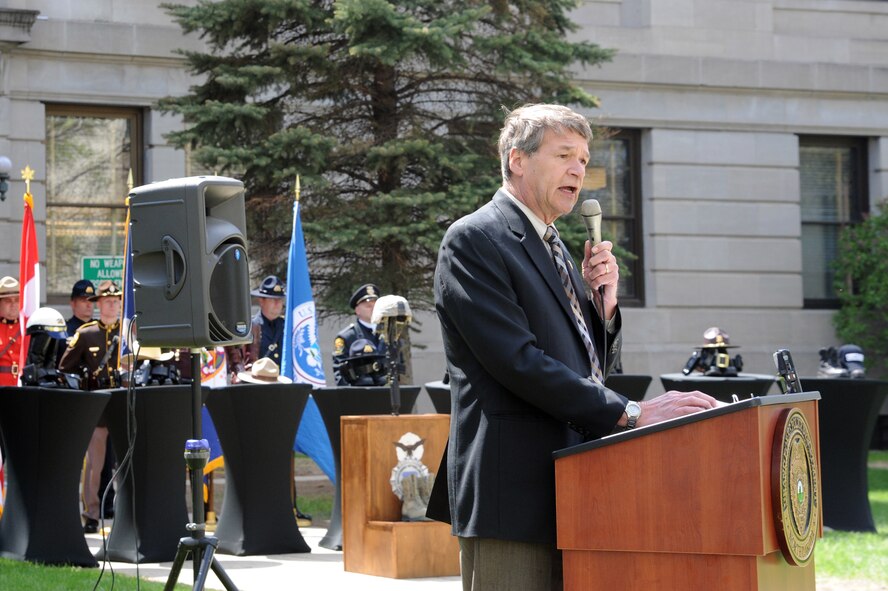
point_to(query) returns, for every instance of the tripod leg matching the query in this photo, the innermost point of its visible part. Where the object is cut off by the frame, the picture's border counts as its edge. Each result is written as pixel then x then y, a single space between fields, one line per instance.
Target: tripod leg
pixel 200 576
pixel 181 555
pixel 209 562
pixel 222 575
pixel 196 564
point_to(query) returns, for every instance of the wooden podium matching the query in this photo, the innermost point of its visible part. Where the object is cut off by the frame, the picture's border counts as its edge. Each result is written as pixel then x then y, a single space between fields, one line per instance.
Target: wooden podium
pixel 690 503
pixel 374 539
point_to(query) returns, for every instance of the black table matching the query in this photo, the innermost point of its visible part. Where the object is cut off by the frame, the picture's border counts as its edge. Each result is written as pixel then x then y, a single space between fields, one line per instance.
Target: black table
pixel 45 434
pixel 257 425
pixel 720 388
pixel 632 386
pixel 150 512
pixel 334 403
pixel 848 413
pixel 439 392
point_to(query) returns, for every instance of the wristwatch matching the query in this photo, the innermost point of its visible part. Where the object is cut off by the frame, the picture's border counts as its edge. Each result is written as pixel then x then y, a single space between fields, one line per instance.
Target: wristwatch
pixel 633 413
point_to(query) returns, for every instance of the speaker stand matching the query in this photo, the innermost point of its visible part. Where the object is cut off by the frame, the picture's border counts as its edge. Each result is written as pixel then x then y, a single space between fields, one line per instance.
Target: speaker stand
pixel 200 546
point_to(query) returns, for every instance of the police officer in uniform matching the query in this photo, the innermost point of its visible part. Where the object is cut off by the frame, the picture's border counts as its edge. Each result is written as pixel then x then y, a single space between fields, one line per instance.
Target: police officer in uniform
pixel 268 323
pixel 358 354
pixel 82 305
pixel 92 353
pixel 10 333
pixel 81 308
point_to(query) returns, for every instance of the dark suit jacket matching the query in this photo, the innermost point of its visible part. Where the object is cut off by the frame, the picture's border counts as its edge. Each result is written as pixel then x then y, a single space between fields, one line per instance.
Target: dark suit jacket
pixel 518 373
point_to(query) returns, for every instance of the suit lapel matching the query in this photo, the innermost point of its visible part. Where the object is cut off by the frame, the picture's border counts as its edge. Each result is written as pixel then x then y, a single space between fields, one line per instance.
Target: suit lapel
pixel 536 250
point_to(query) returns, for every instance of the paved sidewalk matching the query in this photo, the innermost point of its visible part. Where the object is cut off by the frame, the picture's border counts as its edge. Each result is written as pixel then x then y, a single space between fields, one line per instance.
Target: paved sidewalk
pixel 320 569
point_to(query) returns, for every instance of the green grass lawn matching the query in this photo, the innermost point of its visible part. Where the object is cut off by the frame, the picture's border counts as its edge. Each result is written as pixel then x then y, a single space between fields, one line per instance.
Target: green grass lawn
pixel 25 576
pixel 851 555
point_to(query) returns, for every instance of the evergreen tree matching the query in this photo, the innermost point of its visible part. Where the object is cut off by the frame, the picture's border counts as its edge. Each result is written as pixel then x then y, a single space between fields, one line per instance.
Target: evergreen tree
pixel 388 110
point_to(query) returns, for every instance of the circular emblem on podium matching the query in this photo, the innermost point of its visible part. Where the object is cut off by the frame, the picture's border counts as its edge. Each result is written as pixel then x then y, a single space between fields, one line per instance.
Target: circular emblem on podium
pixel 794 488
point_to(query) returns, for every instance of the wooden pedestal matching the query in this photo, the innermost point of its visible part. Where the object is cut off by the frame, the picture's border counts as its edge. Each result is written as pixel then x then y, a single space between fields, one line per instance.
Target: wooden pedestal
pixel 375 540
pixel 686 504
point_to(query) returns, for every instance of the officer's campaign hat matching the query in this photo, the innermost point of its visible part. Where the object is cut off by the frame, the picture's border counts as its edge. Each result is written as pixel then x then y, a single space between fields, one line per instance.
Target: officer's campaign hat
pixel 9 286
pixel 716 338
pixel 367 291
pixel 263 371
pixel 83 289
pixel 271 287
pixel 106 289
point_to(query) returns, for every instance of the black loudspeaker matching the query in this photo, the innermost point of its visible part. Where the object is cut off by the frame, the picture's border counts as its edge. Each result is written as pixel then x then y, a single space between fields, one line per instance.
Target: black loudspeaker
pixel 190 268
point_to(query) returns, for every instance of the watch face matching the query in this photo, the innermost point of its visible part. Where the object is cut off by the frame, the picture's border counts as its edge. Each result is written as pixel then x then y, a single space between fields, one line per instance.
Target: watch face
pixel 633 409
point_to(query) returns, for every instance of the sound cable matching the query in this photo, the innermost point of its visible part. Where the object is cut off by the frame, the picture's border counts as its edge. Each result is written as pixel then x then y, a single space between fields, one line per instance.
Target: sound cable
pixel 124 468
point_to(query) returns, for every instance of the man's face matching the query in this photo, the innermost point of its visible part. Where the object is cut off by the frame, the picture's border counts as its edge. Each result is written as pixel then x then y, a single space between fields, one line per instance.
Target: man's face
pixel 271 307
pixel 82 308
pixel 9 307
pixel 109 309
pixel 364 310
pixel 549 181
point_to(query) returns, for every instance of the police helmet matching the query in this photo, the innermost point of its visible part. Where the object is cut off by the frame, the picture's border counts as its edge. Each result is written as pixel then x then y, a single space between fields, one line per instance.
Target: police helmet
pixel 48 320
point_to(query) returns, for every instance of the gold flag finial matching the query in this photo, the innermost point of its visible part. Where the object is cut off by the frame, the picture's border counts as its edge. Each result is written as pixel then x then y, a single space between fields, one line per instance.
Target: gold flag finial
pixel 129 180
pixel 298 190
pixel 28 176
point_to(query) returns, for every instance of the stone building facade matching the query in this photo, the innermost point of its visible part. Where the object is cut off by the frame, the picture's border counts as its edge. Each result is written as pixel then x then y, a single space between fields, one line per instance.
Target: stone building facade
pixel 725 108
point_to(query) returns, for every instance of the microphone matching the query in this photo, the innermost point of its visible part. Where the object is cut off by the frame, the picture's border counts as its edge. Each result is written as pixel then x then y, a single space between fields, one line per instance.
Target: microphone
pixel 591 212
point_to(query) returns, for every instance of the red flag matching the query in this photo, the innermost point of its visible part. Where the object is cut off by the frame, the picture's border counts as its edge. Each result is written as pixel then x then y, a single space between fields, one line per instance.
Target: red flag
pixel 29 275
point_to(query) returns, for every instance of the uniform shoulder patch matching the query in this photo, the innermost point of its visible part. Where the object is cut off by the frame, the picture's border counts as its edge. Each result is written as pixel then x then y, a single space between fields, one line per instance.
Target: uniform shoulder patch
pixel 339 346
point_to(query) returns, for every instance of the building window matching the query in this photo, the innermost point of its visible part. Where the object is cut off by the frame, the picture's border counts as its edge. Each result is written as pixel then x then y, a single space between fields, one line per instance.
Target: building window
pixel 833 174
pixel 90 152
pixel 614 179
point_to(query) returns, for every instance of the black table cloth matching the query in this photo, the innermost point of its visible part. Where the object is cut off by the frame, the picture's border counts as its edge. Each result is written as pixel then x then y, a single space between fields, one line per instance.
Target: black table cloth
pixel 150 512
pixel 848 413
pixel 439 392
pixel 632 386
pixel 45 434
pixel 334 403
pixel 256 424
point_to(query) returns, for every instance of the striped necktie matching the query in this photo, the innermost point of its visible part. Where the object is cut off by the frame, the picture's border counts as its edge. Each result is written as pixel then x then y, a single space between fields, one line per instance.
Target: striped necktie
pixel 551 237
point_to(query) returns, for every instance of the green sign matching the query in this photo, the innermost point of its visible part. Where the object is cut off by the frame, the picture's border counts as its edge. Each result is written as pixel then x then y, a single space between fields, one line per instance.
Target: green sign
pixel 98 269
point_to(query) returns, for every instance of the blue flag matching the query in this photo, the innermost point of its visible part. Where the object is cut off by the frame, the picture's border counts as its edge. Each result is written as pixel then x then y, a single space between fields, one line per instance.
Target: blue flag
pixel 302 354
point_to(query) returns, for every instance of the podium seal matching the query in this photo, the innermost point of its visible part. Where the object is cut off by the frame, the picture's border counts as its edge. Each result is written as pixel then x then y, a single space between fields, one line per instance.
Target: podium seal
pixel 794 488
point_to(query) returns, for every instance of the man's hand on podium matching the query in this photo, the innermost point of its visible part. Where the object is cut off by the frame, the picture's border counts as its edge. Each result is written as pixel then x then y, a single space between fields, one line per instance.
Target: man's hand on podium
pixel 671 405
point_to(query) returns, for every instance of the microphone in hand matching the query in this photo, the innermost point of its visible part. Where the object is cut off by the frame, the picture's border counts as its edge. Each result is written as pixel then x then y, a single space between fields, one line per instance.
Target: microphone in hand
pixel 591 212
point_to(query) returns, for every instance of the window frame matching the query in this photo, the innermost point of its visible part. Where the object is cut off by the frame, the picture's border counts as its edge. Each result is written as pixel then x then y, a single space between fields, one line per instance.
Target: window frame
pixel 135 117
pixel 632 137
pixel 861 200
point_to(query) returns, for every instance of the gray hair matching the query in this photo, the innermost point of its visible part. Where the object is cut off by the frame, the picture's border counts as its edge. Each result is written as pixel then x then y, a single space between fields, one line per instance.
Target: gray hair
pixel 525 127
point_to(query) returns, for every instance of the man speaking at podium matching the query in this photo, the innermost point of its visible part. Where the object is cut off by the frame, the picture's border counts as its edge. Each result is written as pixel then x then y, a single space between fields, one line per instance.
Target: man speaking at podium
pixel 524 346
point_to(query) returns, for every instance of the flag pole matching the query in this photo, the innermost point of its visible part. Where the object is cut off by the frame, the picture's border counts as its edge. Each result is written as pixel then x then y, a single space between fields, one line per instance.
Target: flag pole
pixel 29 268
pixel 125 319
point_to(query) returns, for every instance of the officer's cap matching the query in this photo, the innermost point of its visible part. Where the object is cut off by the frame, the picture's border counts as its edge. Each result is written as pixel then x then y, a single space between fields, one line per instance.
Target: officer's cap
pixel 106 289
pixel 271 287
pixel 83 289
pixel 852 358
pixel 368 291
pixel 363 348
